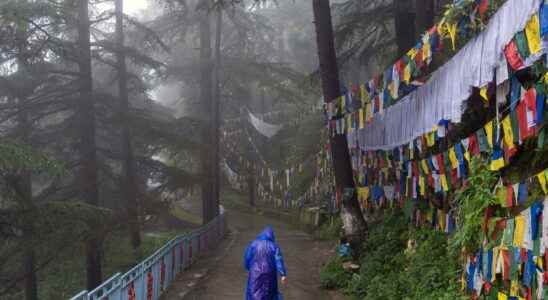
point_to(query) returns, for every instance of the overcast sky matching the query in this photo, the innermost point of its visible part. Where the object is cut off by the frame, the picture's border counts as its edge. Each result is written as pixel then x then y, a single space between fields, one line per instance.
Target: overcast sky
pixel 134 7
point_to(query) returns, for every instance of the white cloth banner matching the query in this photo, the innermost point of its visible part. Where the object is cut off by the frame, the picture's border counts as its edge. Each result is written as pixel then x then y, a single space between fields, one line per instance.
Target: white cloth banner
pixel 444 95
pixel 263 128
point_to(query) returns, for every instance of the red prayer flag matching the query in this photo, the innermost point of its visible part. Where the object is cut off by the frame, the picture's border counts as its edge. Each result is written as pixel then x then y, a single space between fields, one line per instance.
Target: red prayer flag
pixel 441 164
pixel 484 4
pixel 509 196
pixel 473 146
pixel 512 56
pixel 505 264
pixel 524 131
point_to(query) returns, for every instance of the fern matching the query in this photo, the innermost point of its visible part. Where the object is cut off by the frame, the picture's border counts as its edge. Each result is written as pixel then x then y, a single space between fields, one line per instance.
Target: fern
pixel 470 205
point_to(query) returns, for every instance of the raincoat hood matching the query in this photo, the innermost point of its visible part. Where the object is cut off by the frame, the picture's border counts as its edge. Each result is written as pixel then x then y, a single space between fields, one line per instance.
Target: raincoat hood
pixel 267 234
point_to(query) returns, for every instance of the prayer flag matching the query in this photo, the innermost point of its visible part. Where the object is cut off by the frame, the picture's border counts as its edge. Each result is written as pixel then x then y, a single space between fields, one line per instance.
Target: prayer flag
pixel 513 56
pixel 508 133
pixel 453 158
pixel 542 181
pixel 521 43
pixel 532 31
pixel 483 94
pixel 497 159
pixel 489 133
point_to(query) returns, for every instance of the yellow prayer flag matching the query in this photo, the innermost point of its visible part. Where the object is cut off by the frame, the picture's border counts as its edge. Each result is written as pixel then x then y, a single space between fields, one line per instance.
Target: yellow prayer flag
pixel 369 111
pixel 467 155
pixel 501 296
pixel 393 90
pixel 442 219
pixel 424 166
pixel 426 50
pixel 422 186
pixel 361 119
pixel 519 230
pixel 496 253
pixel 532 31
pixel 452 30
pixel 542 180
pixel 363 194
pixel 489 133
pixel 483 94
pixel 412 53
pixel 453 158
pixel 407 74
pixel 514 288
pixel 431 139
pixel 364 95
pixel 497 164
pixel 508 133
pixel 349 122
pixel 342 102
pixel 444 184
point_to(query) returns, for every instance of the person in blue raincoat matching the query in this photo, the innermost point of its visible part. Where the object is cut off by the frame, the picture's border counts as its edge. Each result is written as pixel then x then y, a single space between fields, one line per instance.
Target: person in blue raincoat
pixel 263 260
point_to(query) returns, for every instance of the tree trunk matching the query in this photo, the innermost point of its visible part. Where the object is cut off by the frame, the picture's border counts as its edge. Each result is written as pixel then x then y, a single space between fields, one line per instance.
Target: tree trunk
pixel 216 161
pixel 206 88
pixel 424 16
pixel 404 23
pixel 87 148
pixel 251 186
pixel 352 217
pixel 129 189
pixel 24 179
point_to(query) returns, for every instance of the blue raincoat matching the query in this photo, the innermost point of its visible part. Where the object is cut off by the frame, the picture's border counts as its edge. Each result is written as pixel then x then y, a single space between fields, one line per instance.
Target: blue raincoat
pixel 263 260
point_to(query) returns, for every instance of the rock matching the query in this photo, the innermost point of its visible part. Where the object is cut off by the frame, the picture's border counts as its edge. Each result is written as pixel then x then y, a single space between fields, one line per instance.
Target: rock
pixel 350 266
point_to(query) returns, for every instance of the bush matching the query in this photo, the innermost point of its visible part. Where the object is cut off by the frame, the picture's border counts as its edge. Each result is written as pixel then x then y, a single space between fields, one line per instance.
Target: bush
pixel 333 275
pixel 332 229
pixel 390 269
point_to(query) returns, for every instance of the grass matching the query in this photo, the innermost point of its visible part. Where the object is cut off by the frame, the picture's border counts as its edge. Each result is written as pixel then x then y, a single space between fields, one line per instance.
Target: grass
pixel 182 214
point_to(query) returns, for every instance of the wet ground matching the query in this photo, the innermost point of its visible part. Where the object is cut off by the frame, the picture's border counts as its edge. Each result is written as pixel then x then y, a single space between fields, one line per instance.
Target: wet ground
pixel 221 276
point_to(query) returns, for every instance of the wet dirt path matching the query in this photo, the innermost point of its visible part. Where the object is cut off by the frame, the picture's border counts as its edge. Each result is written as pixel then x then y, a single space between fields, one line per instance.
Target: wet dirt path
pixel 222 277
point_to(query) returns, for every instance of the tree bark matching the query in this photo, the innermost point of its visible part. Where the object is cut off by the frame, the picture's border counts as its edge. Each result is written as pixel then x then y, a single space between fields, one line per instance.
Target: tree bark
pixel 24 179
pixel 129 189
pixel 216 108
pixel 424 16
pixel 206 88
pixel 252 193
pixel 87 148
pixel 352 217
pixel 404 25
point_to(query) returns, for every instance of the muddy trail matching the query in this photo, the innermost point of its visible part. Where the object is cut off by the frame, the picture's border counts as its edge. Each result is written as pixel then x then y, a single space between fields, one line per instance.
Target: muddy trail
pixel 221 276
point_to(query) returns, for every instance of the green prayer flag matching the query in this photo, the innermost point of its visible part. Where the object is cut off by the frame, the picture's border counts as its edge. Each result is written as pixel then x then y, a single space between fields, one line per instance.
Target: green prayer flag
pixel 521 42
pixel 515 125
pixel 536 246
pixel 513 264
pixel 493 295
pixel 509 233
pixel 541 139
pixel 482 140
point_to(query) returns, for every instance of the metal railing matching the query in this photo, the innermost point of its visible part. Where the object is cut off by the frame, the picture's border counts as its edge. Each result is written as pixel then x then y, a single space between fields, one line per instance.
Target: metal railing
pixel 151 277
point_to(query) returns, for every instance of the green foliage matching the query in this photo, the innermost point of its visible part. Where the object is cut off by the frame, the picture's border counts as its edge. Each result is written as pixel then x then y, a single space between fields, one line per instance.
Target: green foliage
pixel 333 275
pixel 382 260
pixel 15 156
pixel 432 270
pixel 331 230
pixel 470 206
pixel 399 262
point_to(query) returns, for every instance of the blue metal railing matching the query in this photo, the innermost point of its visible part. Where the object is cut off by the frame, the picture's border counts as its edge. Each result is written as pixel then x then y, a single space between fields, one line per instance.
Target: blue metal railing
pixel 151 277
